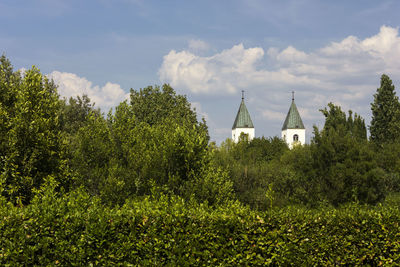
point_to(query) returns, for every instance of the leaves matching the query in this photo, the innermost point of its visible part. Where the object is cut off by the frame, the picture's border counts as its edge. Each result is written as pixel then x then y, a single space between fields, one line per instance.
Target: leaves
pixel 385 123
pixel 30 144
pixel 76 229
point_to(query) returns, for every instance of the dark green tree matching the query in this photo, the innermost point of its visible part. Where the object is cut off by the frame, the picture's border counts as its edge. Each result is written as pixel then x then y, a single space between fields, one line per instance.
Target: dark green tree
pixel 344 163
pixel 337 121
pixel 345 169
pixel 250 167
pixel 339 165
pixel 385 123
pixel 91 151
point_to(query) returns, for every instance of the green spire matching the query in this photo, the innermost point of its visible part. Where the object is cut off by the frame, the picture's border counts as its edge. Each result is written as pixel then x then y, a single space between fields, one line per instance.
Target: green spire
pixel 243 119
pixel 293 119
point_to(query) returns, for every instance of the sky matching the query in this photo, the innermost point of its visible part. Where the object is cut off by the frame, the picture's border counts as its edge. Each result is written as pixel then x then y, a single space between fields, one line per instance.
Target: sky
pixel 325 51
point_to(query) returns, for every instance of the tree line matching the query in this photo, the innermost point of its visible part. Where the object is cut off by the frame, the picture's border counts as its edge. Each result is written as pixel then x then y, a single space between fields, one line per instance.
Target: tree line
pixel 153 144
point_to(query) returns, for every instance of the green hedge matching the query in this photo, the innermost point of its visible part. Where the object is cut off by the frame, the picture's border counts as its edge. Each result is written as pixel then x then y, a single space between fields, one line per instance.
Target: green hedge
pixel 79 230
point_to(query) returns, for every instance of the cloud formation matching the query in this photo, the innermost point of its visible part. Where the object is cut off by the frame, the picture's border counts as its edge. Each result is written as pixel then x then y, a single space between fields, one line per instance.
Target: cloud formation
pixel 71 85
pixel 198 45
pixel 345 72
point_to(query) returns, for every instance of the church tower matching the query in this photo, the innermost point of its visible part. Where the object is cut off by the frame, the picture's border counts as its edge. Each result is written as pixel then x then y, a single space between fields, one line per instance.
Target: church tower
pixel 243 123
pixel 293 130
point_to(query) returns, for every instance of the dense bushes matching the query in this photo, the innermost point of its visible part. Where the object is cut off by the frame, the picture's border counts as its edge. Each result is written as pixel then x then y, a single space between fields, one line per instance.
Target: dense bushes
pixel 78 230
pixel 153 142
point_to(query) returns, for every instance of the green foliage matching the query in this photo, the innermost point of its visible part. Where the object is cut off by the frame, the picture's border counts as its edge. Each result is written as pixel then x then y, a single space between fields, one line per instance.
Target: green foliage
pixel 31 148
pixel 154 142
pixel 346 169
pixel 250 168
pixel 75 229
pixel 339 166
pixel 335 119
pixel 385 123
pixel 152 105
pixel 92 153
pixel 74 114
pixel 151 190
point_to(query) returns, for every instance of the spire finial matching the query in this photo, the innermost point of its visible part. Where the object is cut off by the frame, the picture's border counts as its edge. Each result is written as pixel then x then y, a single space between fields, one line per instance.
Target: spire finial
pixel 292 95
pixel 242 94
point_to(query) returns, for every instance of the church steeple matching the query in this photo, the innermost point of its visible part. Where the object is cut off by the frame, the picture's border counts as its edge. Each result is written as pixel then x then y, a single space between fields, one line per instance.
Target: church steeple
pixel 293 119
pixel 243 119
pixel 293 130
pixel 243 122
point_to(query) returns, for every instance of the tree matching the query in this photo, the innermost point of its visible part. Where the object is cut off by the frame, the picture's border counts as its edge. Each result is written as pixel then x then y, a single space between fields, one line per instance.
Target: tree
pixel 249 166
pixel 385 123
pixel 91 153
pixel 345 169
pixel 153 143
pixel 344 164
pixel 74 114
pixel 31 147
pixel 338 166
pixel 336 121
pixel 9 83
pixel 154 104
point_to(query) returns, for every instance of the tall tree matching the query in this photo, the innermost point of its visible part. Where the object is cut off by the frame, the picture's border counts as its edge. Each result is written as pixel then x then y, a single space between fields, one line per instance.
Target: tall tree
pixel 31 149
pixel 344 166
pixel 385 123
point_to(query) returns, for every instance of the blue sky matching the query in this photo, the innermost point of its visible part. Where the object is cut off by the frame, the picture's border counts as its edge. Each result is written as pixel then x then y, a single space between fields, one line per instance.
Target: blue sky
pixel 326 51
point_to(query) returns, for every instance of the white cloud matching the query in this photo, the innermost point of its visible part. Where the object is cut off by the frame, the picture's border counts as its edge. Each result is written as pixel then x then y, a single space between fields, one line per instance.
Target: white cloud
pixel 209 74
pixel 291 54
pixel 346 72
pixel 198 45
pixel 71 85
pixel 273 115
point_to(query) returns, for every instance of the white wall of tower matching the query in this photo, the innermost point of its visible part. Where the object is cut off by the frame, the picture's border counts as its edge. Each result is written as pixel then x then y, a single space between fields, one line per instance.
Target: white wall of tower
pixel 288 137
pixel 236 133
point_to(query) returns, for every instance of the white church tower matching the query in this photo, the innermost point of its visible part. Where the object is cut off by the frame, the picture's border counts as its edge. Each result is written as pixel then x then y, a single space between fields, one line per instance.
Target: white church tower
pixel 243 123
pixel 293 130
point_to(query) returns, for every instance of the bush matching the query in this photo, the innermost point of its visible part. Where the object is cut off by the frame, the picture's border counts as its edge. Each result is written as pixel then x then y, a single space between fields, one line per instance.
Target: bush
pixel 78 230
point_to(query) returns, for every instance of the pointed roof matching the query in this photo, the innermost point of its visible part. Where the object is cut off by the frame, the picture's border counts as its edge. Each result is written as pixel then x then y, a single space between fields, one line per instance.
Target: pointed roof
pixel 243 119
pixel 293 119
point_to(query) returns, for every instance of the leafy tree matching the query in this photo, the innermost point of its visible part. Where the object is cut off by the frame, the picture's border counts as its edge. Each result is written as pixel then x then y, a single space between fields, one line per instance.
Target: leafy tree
pixel 344 163
pixel 9 83
pixel 299 183
pixel 74 114
pixel 336 120
pixel 31 148
pixel 346 169
pixel 385 123
pixel 154 143
pixel 91 153
pixel 154 104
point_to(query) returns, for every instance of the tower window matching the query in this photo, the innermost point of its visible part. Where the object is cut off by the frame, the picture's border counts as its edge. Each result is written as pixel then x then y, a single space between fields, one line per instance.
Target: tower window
pixel 295 138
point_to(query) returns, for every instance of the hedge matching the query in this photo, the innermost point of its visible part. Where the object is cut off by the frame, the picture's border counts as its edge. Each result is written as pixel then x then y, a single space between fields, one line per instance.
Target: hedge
pixel 78 230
